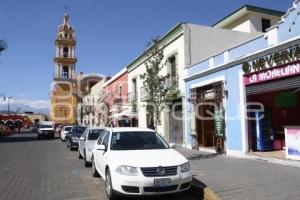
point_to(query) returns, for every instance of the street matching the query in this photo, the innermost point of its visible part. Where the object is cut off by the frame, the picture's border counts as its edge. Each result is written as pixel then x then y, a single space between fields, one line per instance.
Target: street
pixel 46 169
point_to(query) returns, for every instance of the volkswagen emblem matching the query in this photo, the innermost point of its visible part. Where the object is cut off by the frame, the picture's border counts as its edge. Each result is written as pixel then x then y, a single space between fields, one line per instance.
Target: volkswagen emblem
pixel 160 171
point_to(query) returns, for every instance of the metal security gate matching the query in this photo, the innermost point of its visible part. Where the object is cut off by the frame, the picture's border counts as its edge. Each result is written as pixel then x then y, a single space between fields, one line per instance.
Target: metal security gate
pixel 288 83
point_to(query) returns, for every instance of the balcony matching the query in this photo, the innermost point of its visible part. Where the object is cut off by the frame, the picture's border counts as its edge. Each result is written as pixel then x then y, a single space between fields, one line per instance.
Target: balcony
pixel 172 84
pixel 65 60
pixel 132 100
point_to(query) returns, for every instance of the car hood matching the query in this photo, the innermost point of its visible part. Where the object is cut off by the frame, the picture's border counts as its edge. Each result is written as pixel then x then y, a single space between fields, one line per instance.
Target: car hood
pixel 147 158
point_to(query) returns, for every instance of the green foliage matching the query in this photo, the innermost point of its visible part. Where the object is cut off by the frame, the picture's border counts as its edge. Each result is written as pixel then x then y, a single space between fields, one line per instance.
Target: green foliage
pixel 155 84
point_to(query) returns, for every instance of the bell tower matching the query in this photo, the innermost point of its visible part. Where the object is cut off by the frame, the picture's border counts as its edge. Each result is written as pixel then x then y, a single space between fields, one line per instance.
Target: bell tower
pixel 64 85
pixel 65 59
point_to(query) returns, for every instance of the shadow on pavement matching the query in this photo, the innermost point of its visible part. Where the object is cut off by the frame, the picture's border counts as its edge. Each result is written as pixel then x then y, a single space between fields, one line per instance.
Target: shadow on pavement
pixel 202 156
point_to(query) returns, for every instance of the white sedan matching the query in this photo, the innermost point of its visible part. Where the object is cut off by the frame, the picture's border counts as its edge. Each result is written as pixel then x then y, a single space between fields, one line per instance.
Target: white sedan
pixel 64 132
pixel 86 144
pixel 135 161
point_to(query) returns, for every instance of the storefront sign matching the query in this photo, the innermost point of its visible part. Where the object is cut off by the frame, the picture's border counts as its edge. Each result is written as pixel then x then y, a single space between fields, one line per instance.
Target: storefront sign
pixel 292 138
pixel 272 60
pixel 273 73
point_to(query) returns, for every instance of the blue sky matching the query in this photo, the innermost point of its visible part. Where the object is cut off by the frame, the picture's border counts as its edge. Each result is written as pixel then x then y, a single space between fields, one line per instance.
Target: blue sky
pixel 110 34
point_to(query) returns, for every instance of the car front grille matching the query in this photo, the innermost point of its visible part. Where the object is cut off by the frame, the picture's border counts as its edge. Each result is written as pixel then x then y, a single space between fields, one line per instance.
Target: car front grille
pixel 159 171
pixel 161 189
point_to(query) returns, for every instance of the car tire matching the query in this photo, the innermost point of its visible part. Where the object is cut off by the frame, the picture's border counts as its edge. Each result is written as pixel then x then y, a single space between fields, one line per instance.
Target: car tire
pixel 86 163
pixel 94 170
pixel 70 146
pixel 79 154
pixel 111 195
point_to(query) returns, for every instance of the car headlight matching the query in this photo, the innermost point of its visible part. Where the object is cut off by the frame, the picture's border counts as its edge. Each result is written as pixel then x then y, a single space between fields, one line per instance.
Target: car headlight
pixel 127 170
pixel 185 167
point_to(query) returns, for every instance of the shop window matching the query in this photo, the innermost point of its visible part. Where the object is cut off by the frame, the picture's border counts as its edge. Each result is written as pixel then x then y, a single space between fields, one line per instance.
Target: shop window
pixel 265 23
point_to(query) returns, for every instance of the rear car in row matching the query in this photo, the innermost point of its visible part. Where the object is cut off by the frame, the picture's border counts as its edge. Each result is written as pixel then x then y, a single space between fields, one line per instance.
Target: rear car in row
pixel 72 137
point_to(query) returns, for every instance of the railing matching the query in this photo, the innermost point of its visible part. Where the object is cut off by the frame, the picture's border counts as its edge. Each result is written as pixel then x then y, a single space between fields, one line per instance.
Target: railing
pixel 172 82
pixel 132 100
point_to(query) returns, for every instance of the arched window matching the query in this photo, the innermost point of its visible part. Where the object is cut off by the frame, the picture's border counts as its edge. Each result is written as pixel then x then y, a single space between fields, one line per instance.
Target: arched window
pixel 65 52
pixel 65 72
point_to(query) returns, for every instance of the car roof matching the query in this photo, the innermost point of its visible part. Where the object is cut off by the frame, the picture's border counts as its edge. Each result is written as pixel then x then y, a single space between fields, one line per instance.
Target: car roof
pixel 130 129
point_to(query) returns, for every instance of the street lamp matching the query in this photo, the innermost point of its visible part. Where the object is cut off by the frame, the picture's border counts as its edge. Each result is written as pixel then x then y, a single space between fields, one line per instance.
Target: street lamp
pixel 8 102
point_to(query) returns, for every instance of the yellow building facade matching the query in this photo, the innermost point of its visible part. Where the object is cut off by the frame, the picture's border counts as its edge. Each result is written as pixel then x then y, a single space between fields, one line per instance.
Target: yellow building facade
pixel 64 94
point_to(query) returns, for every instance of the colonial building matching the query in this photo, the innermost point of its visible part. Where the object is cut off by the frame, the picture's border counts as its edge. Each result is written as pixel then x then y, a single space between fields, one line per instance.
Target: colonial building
pixel 250 19
pixel 251 91
pixel 89 109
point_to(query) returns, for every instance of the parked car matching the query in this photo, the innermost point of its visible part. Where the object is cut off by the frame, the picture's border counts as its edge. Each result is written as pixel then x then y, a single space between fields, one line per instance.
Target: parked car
pixel 64 132
pixel 135 161
pixel 72 138
pixel 46 128
pixel 87 142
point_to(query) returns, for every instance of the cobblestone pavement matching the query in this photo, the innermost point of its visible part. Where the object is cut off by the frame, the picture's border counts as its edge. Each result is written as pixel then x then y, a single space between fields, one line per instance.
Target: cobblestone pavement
pixel 245 179
pixel 33 169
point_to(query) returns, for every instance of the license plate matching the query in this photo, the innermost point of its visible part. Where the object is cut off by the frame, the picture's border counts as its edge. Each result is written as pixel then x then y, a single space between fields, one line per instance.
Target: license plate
pixel 162 182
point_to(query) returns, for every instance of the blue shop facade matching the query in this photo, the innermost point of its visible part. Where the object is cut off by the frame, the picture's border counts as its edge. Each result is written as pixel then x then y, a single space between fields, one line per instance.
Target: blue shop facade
pixel 247 98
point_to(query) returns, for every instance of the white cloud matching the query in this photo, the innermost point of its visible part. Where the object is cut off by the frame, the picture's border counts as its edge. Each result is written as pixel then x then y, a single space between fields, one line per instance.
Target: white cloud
pixel 35 104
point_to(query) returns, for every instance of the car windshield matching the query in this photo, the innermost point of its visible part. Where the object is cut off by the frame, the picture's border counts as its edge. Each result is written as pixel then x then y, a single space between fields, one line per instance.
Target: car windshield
pixel 78 130
pixel 45 126
pixel 68 128
pixel 94 134
pixel 137 141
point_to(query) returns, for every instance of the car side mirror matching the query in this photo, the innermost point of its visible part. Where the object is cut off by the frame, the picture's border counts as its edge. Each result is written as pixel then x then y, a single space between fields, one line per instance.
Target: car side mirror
pixel 101 147
pixel 172 145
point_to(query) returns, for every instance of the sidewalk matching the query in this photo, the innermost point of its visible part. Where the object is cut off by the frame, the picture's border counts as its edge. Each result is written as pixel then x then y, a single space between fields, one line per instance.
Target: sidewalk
pixel 247 179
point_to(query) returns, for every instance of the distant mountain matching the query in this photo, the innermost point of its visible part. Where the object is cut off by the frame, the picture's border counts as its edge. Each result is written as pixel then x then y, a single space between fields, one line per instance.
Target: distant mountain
pixel 23 108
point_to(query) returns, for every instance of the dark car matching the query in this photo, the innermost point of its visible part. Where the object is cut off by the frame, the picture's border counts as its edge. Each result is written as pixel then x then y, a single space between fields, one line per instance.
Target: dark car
pixel 72 138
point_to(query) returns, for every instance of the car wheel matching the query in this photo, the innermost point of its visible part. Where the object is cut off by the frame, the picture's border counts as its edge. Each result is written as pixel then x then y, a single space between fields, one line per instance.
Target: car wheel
pixel 108 186
pixel 94 170
pixel 70 146
pixel 86 163
pixel 79 154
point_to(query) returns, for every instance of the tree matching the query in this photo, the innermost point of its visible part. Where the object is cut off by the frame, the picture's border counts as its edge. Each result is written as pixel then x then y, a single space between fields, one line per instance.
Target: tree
pixel 3 45
pixel 155 84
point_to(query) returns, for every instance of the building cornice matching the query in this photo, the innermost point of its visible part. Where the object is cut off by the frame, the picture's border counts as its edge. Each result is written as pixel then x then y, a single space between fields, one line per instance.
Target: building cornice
pixel 262 53
pixel 65 60
pixel 65 42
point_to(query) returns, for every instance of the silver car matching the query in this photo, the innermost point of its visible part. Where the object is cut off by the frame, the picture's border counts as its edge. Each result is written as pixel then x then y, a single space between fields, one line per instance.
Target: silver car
pixel 87 142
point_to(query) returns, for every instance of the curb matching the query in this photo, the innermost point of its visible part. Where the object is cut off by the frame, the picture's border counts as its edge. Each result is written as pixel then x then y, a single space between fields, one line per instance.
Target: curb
pixel 206 193
pixel 209 194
